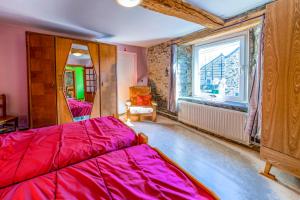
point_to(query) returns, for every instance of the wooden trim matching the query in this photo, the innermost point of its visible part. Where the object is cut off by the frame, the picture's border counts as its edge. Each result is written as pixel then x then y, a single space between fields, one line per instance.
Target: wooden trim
pixel 282 161
pixel 74 84
pixel 29 77
pixel 251 14
pixel 208 34
pixel 235 24
pixel 183 10
pixel 86 52
pixel 75 40
pixel 75 65
pixel 116 79
pixel 191 177
pixel 84 83
pixel 63 47
pixel 143 139
pixel 94 54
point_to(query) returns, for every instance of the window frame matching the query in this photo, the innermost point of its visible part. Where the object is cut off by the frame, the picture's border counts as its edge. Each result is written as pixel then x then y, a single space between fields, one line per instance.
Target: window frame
pixel 244 70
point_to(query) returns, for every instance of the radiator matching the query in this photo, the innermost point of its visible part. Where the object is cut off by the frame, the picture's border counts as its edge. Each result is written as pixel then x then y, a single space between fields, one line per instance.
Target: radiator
pixel 223 122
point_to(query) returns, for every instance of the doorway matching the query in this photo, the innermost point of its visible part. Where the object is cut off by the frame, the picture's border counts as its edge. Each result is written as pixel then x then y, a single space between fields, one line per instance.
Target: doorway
pixel 126 76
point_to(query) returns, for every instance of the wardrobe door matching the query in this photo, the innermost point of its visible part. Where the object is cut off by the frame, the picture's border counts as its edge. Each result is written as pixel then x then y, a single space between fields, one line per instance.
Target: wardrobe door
pixel 63 47
pixel 41 79
pixel 108 61
pixel 281 87
pixel 94 53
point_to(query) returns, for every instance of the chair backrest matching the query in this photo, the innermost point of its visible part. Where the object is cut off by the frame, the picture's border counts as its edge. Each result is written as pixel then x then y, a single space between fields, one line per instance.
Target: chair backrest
pixel 135 91
pixel 3 105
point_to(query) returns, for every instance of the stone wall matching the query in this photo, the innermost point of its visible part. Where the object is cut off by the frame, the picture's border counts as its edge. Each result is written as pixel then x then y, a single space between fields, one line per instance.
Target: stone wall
pixel 184 70
pixel 158 61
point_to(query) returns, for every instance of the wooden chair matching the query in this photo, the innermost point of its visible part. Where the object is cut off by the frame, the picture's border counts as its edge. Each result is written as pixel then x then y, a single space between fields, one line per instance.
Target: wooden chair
pixel 132 109
pixel 3 105
pixel 5 120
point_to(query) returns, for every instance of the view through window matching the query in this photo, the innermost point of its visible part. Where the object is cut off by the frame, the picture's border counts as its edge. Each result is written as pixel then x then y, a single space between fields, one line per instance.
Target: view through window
pixel 219 70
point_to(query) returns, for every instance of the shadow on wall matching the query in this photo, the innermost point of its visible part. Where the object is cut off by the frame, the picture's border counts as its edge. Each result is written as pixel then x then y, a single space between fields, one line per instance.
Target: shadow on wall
pixel 161 102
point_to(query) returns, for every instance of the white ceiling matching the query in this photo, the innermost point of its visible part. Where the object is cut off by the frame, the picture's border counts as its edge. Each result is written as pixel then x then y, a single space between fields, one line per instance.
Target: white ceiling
pixel 228 8
pixel 103 19
pixel 109 22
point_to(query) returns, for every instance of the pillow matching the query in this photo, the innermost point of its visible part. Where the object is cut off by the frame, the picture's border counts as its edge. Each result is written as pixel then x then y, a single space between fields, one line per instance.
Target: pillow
pixel 143 100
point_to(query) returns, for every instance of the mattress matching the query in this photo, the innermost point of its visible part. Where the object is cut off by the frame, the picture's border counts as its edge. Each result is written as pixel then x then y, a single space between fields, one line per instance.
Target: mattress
pixel 133 173
pixel 27 154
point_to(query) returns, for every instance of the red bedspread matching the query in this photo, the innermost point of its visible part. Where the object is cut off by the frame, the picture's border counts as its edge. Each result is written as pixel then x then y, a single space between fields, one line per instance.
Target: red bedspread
pixel 79 108
pixel 27 154
pixel 133 173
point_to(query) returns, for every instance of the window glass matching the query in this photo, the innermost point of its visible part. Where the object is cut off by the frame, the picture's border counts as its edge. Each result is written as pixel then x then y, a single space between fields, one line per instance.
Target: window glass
pixel 219 70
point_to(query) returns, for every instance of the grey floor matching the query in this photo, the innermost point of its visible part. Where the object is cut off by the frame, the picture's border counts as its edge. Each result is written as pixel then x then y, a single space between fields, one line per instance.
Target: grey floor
pixel 230 170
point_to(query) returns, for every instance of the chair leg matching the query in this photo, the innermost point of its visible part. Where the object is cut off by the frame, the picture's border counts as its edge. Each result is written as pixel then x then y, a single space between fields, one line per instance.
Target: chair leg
pixel 154 117
pixel 127 115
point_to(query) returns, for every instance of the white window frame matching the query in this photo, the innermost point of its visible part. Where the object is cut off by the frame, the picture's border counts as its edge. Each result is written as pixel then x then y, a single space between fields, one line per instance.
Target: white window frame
pixel 244 60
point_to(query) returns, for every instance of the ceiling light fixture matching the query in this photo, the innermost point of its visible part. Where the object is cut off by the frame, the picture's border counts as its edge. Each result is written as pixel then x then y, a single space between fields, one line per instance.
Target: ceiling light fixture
pixel 77 54
pixel 129 3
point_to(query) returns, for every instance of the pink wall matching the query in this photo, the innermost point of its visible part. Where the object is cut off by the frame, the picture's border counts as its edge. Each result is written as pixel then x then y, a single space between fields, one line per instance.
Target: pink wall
pixel 13 67
pixel 13 70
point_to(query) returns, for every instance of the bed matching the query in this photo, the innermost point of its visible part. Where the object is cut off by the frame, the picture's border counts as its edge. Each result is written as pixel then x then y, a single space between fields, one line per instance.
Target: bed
pixel 27 154
pixel 80 108
pixel 94 159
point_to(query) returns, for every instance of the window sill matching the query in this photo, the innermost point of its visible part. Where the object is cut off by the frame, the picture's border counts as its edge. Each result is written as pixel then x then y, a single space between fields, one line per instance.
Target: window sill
pixel 242 107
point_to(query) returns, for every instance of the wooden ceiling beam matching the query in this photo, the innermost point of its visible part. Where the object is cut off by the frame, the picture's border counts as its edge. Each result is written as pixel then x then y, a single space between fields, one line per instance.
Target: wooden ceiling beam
pixel 235 24
pixel 208 34
pixel 186 11
pixel 251 14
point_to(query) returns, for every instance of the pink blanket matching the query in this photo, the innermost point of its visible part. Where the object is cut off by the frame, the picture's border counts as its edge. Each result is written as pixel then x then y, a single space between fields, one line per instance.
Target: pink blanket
pixel 133 173
pixel 80 108
pixel 31 153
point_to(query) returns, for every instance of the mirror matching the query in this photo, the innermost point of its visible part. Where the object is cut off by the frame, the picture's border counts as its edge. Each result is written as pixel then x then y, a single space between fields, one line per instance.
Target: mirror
pixel 80 82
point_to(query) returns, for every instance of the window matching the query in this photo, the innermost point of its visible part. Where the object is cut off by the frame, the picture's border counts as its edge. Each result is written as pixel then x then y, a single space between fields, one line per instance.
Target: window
pixel 90 80
pixel 220 69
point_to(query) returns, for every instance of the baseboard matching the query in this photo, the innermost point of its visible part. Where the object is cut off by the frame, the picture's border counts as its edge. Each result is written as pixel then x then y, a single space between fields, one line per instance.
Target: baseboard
pixel 167 115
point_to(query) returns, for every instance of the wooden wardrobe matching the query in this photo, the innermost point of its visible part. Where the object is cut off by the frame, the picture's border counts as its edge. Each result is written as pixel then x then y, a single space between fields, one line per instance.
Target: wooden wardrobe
pixel 46 59
pixel 281 88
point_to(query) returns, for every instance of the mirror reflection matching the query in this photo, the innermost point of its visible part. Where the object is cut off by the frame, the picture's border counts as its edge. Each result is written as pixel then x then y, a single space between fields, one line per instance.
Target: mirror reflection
pixel 80 82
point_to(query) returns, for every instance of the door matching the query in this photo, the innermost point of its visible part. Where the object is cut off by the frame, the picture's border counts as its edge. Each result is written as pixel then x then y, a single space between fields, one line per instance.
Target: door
pixel 41 80
pixel 108 78
pixel 127 76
